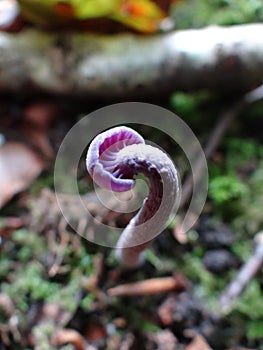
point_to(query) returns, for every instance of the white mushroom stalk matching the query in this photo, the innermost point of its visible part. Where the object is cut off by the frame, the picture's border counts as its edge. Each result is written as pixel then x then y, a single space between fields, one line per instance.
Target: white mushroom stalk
pixel 113 159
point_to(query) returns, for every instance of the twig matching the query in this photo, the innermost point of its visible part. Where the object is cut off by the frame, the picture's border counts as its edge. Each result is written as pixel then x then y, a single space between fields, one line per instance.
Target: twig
pixel 216 136
pixel 151 286
pixel 69 336
pixel 247 272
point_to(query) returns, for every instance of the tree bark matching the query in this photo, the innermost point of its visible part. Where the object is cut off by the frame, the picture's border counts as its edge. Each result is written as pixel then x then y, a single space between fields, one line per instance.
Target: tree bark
pixel 229 59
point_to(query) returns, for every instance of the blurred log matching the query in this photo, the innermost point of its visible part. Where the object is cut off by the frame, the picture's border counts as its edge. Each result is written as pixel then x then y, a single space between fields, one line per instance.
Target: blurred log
pixel 229 59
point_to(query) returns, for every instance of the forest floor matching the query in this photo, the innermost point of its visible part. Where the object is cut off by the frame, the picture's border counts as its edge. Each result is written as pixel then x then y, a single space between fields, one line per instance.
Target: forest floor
pixel 61 291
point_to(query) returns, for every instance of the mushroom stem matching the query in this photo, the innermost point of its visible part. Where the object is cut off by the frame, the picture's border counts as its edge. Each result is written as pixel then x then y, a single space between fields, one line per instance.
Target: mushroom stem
pixel 157 167
pixel 113 159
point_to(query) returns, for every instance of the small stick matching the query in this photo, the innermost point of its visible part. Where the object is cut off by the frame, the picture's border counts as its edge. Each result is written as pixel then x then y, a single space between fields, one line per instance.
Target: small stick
pixel 151 286
pixel 247 272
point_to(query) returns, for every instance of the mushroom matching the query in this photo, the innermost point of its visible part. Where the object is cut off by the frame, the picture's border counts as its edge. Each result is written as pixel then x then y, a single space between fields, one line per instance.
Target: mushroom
pixel 113 159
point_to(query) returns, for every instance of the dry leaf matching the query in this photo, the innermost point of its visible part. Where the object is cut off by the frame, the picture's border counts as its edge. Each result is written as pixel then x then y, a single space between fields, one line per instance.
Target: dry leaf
pixel 39 140
pixel 198 343
pixel 39 117
pixel 95 332
pixel 6 305
pixel 19 166
pixel 166 311
pixel 69 336
pixel 9 225
pixel 164 339
pixel 42 114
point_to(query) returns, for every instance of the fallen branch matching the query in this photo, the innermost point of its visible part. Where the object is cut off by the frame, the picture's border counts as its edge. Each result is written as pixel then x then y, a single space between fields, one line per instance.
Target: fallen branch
pixel 222 58
pixel 245 275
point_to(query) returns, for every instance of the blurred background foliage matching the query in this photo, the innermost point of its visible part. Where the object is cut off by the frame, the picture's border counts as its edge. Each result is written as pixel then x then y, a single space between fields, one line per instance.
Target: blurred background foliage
pixel 201 13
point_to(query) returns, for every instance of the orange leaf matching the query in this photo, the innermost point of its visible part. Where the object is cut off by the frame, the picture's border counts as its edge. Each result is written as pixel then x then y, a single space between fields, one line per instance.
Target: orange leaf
pixel 131 8
pixel 64 9
pixel 145 8
pixel 142 15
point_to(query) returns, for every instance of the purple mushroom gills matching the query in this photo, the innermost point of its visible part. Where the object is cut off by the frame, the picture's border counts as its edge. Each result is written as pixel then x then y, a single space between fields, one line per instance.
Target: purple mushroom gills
pixel 113 159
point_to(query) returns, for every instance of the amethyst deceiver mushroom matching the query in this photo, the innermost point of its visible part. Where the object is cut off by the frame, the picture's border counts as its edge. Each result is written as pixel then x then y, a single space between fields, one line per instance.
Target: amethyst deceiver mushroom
pixel 113 159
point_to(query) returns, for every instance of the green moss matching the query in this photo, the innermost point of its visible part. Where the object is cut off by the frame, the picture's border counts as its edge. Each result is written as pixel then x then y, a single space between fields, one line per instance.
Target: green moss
pixel 194 108
pixel 227 188
pixel 236 184
pixel 42 334
pixel 44 181
pixel 201 13
pixel 251 219
pixel 30 241
pixel 240 151
pixel 28 283
pixel 243 249
pixel 148 326
pixel 227 193
pixel 207 285
pixel 87 301
pixel 67 296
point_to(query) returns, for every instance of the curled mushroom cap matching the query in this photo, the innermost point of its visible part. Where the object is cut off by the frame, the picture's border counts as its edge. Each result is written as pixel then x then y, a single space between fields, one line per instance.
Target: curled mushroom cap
pixel 113 159
pixel 102 158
